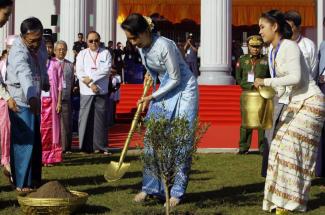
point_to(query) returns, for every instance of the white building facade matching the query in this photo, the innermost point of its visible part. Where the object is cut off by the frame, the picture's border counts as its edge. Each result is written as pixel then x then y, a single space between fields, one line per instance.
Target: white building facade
pixel 76 16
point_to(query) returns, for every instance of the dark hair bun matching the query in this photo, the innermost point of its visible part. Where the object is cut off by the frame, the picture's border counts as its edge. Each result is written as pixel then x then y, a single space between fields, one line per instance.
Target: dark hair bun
pixel 276 16
pixel 287 31
pixel 136 24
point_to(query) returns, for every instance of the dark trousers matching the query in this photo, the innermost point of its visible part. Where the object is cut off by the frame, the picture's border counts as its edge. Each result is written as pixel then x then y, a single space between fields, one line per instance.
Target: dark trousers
pixel 75 112
pixel 246 139
pixel 66 126
pixel 92 123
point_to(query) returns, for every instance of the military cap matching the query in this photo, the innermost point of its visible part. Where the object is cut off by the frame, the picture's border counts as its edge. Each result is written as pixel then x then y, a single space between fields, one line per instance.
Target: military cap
pixel 255 40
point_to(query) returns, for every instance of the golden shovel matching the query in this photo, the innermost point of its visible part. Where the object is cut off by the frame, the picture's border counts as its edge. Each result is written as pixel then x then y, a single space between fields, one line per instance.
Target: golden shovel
pixel 116 170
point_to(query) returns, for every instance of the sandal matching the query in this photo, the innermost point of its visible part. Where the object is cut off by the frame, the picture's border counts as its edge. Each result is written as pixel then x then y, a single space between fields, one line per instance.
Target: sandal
pixel 140 197
pixel 107 153
pixel 6 172
pixel 173 202
pixel 8 176
pixel 281 211
pixel 23 191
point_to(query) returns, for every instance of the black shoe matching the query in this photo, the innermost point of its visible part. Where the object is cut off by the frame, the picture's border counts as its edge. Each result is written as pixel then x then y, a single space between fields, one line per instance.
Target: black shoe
pixel 242 152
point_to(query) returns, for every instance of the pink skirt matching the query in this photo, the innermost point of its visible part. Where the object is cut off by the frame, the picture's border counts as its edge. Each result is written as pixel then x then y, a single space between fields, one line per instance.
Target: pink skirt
pixel 4 132
pixel 51 150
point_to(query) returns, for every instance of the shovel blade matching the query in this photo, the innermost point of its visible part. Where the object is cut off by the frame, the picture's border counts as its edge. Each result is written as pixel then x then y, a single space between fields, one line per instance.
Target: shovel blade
pixel 114 172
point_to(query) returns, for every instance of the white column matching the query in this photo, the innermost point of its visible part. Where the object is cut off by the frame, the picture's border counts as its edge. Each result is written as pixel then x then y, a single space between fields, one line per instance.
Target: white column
pixel 215 42
pixel 72 21
pixel 320 17
pixel 106 14
pixel 5 31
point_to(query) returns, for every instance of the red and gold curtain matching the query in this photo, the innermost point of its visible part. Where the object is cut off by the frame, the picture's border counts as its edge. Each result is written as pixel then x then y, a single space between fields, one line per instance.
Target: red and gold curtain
pixel 247 12
pixel 173 10
pixel 244 12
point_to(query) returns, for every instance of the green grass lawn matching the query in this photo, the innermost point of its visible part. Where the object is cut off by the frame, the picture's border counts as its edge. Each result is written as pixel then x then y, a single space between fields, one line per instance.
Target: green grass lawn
pixel 219 184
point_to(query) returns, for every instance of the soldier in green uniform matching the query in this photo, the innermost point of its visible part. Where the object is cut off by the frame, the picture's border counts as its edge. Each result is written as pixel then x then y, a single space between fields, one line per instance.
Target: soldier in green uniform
pixel 251 66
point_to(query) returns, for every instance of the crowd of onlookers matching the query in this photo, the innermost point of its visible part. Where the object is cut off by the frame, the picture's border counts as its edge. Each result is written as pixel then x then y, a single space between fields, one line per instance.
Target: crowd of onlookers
pixel 45 98
pixel 81 96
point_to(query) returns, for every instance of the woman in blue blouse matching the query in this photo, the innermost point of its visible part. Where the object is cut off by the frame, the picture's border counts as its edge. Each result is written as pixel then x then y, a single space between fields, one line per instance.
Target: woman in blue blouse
pixel 176 96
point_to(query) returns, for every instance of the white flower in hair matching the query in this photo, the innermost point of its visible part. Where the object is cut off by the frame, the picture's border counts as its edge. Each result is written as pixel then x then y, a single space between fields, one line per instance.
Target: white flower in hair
pixel 150 23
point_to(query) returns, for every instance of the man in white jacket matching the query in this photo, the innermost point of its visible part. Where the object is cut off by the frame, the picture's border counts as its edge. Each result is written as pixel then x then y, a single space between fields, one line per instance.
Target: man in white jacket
pixel 93 68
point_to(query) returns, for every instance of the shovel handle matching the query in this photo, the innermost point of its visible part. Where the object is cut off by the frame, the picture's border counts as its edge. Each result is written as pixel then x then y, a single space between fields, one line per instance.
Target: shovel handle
pixel 135 120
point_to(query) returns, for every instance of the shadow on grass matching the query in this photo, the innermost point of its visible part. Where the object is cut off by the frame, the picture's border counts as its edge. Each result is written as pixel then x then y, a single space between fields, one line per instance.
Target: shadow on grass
pixel 250 194
pixel 78 181
pixel 197 172
pixel 8 203
pixel 318 182
pixel 6 188
pixel 81 159
pixel 89 180
pixel 246 195
pixel 93 209
pixel 314 204
pixel 109 188
pixel 136 174
pixel 201 179
pixel 149 210
pixel 319 201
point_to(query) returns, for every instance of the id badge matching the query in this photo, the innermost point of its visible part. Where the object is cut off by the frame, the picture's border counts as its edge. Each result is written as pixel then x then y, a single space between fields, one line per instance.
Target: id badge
pixel 250 77
pixel 64 85
pixel 45 94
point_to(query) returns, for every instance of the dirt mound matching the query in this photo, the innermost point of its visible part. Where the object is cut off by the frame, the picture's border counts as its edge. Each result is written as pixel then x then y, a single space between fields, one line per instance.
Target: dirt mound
pixel 52 189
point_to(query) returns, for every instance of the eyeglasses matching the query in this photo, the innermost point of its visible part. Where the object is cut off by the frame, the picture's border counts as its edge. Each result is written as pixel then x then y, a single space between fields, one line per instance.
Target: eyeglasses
pixel 93 41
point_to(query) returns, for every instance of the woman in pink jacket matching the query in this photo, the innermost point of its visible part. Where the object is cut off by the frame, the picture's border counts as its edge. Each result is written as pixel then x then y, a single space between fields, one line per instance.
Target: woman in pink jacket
pixel 50 114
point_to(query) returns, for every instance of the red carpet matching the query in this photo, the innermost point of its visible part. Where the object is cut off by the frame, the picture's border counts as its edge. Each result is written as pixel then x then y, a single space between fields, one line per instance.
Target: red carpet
pixel 218 105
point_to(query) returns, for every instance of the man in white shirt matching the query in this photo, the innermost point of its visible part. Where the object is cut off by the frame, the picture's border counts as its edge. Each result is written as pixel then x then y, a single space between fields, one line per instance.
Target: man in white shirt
pixel 307 46
pixel 93 68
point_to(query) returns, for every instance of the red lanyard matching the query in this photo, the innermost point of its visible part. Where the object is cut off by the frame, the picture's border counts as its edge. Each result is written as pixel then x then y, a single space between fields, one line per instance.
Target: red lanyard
pixel 253 62
pixel 94 59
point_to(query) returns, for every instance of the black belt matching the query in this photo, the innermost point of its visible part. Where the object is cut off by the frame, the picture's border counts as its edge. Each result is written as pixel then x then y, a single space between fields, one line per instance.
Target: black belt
pixel 17 85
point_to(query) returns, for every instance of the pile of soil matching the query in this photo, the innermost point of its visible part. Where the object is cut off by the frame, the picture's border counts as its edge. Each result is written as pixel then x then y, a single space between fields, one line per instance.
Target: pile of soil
pixel 52 189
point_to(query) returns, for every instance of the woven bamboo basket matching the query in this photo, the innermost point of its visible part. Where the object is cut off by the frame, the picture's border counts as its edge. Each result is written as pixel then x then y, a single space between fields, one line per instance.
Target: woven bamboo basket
pixel 52 206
